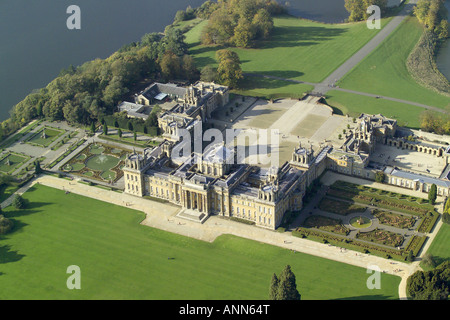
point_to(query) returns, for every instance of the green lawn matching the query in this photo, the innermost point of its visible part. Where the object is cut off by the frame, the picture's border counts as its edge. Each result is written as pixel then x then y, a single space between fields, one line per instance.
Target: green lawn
pixel 272 88
pixel 51 134
pixel 354 104
pixel 298 49
pixel 440 248
pixel 384 71
pixel 121 259
pixel 12 162
pixel 6 190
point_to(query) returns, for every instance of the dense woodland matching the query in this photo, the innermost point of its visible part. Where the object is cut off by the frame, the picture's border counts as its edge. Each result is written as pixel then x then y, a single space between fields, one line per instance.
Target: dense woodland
pixel 430 285
pixel 240 22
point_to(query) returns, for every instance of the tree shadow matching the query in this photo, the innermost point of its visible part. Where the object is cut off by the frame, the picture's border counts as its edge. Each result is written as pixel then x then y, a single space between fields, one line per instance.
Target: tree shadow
pixel 299 36
pixel 260 82
pixel 368 297
pixel 284 75
pixel 7 255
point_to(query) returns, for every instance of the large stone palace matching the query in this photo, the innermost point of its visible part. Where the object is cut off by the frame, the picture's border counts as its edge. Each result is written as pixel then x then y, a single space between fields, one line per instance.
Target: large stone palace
pixel 211 182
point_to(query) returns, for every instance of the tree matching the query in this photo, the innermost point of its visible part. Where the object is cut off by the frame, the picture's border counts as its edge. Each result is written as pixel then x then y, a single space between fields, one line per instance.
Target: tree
pixel 119 133
pixel 284 287
pixel 229 72
pixel 135 136
pixel 430 285
pixel 93 127
pixel 446 217
pixel 243 34
pixel 287 279
pixel 5 224
pixel 263 23
pixel 174 41
pixel 18 202
pixel 208 74
pixel 379 176
pixel 432 194
pixel 274 287
pixel 358 8
pixel 37 168
pixel 410 257
pixel 105 129
pixel 189 68
pixel 170 65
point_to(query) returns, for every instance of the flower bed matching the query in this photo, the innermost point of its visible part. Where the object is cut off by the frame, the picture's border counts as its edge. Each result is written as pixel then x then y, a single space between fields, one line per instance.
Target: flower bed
pixel 382 237
pixel 340 207
pixel 393 219
pixel 326 224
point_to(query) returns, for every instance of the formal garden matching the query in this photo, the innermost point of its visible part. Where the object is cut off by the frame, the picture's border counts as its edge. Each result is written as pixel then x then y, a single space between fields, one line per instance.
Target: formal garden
pixel 370 220
pixel 326 224
pixel 45 136
pixel 11 161
pixel 98 161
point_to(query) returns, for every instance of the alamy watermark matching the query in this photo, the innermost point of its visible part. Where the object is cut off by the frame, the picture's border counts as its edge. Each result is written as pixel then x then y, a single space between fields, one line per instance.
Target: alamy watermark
pixel 240 146
pixel 74 280
pixel 74 20
pixel 373 281
pixel 374 21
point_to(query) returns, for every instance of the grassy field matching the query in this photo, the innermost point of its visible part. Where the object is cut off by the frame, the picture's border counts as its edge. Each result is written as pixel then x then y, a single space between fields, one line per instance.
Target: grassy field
pixel 384 71
pixel 440 248
pixel 272 88
pixel 121 259
pixel 298 49
pixel 354 104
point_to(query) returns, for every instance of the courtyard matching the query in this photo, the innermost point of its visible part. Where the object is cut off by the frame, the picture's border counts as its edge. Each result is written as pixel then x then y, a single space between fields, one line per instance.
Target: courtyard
pixel 297 121
pixel 409 160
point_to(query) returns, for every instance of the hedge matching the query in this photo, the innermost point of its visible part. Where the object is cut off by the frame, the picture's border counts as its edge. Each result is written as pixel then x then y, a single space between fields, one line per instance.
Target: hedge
pixel 428 222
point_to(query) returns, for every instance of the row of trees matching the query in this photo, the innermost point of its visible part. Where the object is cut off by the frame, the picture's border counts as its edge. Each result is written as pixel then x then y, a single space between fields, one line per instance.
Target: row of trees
pixel 358 8
pixel 433 15
pixel 240 22
pixel 435 122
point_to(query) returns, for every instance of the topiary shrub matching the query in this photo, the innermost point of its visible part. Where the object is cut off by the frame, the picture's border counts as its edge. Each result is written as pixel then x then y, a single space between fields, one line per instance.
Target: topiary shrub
pixel 5 224
pixel 18 202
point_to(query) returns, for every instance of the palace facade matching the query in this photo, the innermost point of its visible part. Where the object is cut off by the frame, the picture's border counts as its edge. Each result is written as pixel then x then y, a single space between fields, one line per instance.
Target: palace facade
pixel 213 183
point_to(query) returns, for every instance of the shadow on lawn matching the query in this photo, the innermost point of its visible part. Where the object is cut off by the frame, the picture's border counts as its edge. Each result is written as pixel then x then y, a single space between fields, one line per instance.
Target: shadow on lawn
pixel 296 36
pixel 258 81
pixel 6 255
pixel 369 297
